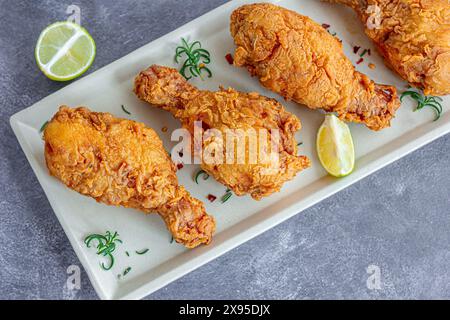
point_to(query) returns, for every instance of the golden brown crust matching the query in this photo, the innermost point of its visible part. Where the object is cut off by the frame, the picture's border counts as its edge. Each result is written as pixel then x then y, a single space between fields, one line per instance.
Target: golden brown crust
pixel 414 38
pixel 123 163
pixel 228 109
pixel 297 58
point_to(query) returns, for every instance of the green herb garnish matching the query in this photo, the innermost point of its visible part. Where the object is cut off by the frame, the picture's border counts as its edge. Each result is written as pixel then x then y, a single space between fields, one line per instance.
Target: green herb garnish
pixel 299 144
pixel 125 110
pixel 363 53
pixel 171 240
pixel 196 59
pixel 198 174
pixel 226 196
pixel 127 253
pixel 43 126
pixel 425 101
pixel 106 244
pixel 125 272
pixel 144 251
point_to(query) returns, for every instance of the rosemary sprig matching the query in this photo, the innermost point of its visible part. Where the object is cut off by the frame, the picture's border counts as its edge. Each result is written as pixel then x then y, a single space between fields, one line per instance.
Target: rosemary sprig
pixel 424 101
pixel 106 244
pixel 198 174
pixel 196 59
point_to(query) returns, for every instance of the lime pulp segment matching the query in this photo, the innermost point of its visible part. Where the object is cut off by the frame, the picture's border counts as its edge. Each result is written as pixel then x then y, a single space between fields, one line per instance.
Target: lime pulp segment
pixel 64 51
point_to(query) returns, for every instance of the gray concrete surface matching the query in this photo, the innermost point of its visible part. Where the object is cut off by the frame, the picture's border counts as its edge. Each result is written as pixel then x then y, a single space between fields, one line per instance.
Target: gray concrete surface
pixel 397 219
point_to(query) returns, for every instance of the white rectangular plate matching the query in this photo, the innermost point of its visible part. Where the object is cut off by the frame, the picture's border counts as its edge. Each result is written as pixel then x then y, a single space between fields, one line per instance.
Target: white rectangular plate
pixel 238 220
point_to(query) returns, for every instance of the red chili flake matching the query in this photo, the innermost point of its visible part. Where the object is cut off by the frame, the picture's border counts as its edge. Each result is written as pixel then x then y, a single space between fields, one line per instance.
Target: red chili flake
pixel 179 166
pixel 211 197
pixel 325 25
pixel 180 154
pixel 369 52
pixel 360 60
pixel 229 58
pixel 356 49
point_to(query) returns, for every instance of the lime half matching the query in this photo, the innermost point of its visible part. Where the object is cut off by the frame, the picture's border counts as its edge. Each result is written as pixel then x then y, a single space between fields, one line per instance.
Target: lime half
pixel 64 51
pixel 335 147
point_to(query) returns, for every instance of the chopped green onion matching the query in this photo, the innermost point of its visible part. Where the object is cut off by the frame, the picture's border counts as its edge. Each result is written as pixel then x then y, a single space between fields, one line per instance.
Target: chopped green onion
pixel 125 110
pixel 201 172
pixel 128 269
pixel 43 126
pixel 226 196
pixel 142 251
pixel 363 53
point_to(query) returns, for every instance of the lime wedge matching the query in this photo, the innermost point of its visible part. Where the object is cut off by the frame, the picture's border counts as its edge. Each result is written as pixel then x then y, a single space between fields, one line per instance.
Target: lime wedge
pixel 335 147
pixel 64 51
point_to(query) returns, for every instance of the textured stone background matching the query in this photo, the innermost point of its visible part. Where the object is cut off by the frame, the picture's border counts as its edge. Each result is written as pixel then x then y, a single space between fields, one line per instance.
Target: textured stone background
pixel 398 218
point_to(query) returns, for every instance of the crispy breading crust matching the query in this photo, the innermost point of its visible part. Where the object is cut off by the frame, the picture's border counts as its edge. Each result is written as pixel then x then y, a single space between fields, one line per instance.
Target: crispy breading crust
pixel 414 38
pixel 228 109
pixel 123 163
pixel 297 58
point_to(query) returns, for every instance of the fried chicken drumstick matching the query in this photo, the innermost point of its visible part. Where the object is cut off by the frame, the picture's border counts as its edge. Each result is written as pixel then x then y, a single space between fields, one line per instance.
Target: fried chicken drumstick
pixel 165 88
pixel 123 163
pixel 413 36
pixel 298 59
